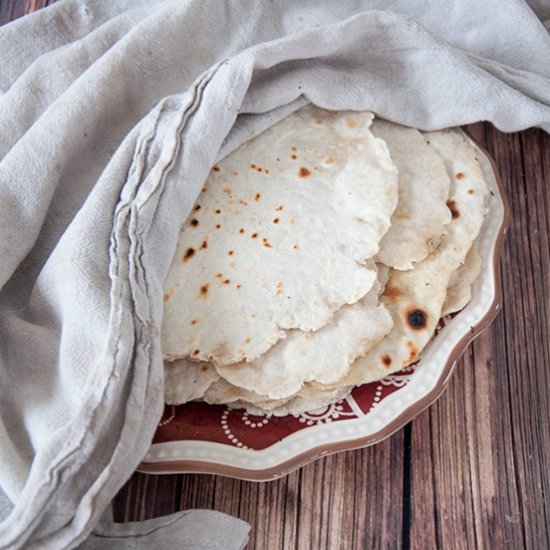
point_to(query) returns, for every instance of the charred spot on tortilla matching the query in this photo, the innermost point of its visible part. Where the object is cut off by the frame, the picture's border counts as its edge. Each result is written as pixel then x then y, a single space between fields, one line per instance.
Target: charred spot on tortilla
pixel 204 244
pixel 386 359
pixel 189 253
pixel 204 290
pixel 216 168
pixel 452 206
pixel 416 318
pixel 194 222
pixel 459 176
pixel 304 172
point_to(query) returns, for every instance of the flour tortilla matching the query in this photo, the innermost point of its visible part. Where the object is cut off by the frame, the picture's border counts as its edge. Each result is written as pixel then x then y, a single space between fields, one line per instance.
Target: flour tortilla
pixel 459 291
pixel 296 405
pixel 418 222
pixel 415 298
pixel 324 356
pixel 221 392
pixel 186 380
pixel 314 396
pixel 278 237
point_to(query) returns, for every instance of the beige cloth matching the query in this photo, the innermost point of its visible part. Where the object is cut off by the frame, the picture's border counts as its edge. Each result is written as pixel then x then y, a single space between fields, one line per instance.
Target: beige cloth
pixel 111 114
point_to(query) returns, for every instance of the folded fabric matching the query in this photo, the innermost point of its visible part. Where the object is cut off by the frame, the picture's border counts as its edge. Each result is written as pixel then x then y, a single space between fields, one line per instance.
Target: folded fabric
pixel 111 115
pixel 194 530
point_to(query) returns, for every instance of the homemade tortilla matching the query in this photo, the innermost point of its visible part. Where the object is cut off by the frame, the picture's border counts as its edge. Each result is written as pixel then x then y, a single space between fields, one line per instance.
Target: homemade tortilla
pixel 418 222
pixel 459 291
pixel 295 405
pixel 324 355
pixel 189 380
pixel 186 380
pixel 279 237
pixel 415 298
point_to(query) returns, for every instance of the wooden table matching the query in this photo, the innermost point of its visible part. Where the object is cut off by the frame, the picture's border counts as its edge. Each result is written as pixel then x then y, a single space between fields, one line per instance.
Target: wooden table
pixel 471 471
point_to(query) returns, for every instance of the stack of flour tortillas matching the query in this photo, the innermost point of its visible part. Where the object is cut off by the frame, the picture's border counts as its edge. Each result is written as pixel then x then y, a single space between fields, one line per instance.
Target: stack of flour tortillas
pixel 320 256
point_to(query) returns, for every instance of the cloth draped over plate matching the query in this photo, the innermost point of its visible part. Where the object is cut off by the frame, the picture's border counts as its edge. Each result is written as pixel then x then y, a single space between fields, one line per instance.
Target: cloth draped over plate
pixel 111 115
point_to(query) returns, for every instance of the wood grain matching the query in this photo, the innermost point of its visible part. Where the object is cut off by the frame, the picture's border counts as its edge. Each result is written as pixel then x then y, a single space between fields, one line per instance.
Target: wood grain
pixel 13 9
pixel 473 471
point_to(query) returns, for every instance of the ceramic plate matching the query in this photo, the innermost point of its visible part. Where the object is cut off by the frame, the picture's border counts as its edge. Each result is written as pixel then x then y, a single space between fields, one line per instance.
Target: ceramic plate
pixel 197 437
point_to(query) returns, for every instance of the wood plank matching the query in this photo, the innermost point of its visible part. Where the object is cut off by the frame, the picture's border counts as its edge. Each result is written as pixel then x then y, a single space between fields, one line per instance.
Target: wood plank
pixel 349 500
pixel 525 277
pixel 13 9
pixel 6 11
pixel 484 442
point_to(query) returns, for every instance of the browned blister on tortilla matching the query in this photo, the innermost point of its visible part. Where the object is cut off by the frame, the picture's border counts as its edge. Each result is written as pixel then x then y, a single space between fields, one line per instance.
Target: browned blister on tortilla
pixel 419 220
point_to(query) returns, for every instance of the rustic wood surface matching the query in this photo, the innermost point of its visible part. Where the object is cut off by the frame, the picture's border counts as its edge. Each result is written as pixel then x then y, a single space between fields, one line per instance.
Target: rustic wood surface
pixel 473 471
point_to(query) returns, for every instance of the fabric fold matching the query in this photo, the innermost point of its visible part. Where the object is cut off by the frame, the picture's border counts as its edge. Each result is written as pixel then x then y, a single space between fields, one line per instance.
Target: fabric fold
pixel 194 530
